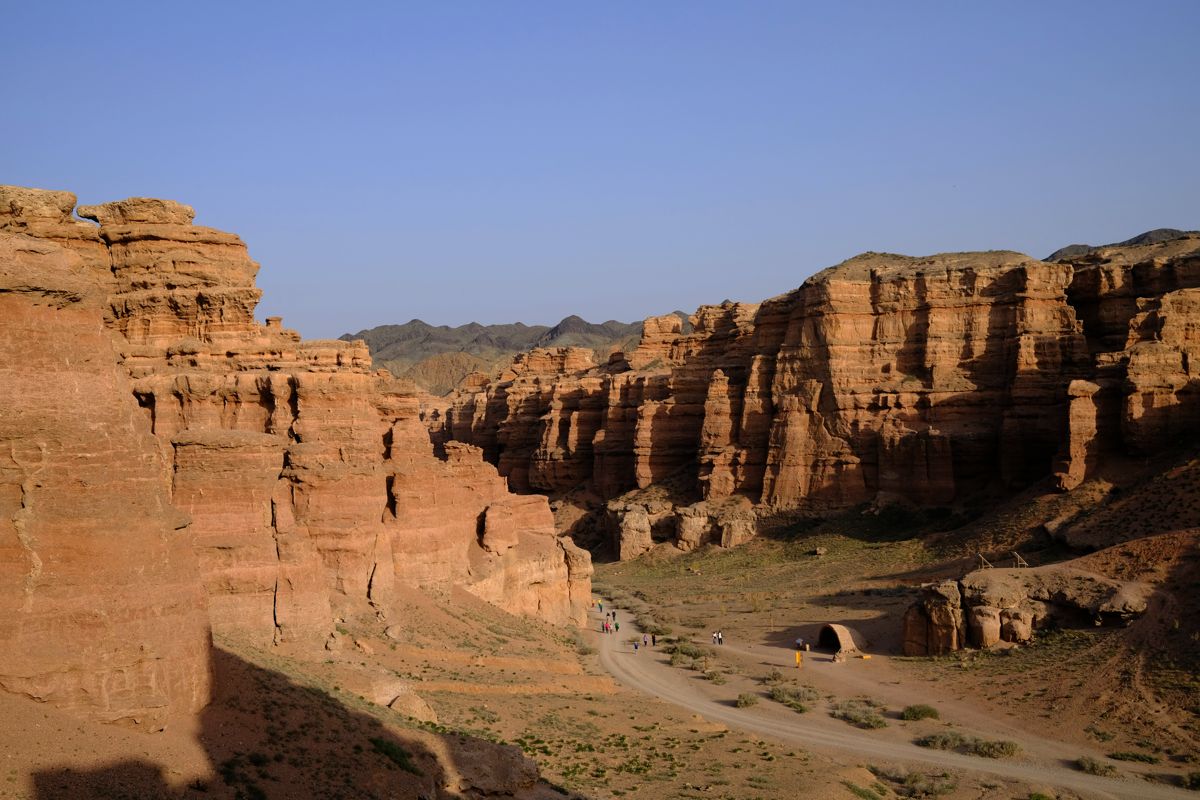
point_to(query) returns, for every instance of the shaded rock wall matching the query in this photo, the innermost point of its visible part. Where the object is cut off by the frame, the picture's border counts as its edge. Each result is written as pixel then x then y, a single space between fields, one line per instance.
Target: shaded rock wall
pixel 884 379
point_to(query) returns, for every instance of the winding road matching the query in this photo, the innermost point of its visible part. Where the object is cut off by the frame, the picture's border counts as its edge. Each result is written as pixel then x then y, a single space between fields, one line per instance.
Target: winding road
pixel 648 671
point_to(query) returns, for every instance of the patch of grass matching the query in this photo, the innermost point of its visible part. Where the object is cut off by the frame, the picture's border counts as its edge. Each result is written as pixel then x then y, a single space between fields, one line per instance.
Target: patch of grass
pixel 1129 755
pixel 919 711
pixel 396 754
pixel 1093 766
pixel 747 699
pixel 860 713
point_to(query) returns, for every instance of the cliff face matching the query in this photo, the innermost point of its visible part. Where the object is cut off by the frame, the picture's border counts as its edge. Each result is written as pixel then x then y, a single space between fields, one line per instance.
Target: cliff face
pixel 102 609
pixel 885 378
pixel 153 425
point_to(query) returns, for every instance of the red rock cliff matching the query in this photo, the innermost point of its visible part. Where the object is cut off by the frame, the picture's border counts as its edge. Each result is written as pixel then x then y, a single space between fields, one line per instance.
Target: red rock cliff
pixel 884 378
pixel 142 396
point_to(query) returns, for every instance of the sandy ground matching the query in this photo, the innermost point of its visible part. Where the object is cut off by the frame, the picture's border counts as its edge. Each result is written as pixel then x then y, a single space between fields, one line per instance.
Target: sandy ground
pixel 650 672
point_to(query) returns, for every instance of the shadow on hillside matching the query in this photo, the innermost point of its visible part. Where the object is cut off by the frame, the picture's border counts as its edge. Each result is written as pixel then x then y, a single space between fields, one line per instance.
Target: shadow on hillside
pixel 267 737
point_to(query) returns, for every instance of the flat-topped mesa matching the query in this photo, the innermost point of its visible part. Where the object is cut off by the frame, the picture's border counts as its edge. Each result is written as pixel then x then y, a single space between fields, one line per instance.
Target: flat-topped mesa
pixel 885 378
pixel 305 473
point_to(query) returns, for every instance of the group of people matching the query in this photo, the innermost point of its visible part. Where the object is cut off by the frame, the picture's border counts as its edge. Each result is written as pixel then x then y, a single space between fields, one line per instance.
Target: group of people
pixel 610 625
pixel 718 637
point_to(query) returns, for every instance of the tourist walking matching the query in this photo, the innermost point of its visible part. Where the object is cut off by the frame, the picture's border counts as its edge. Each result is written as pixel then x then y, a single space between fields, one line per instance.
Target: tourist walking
pixel 654 640
pixel 714 637
pixel 720 637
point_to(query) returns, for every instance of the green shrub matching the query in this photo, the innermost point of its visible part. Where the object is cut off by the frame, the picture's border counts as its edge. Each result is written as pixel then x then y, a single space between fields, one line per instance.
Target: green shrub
pixel 860 713
pixel 1093 767
pixel 912 713
pixel 715 676
pixel 747 699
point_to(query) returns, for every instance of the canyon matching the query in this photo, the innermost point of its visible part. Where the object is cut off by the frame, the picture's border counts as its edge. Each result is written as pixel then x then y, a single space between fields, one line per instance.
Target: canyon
pixel 171 467
pixel 205 517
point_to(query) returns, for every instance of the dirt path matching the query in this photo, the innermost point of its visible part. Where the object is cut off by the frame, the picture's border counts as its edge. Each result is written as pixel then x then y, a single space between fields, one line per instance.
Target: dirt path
pixel 649 672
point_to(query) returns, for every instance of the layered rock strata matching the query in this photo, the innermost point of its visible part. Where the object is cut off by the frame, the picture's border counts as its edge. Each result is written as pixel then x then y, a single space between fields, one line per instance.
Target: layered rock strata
pixel 883 379
pixel 103 609
pixel 225 469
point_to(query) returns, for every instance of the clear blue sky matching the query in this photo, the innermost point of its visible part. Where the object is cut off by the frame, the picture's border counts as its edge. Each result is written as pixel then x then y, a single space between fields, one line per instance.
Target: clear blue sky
pixel 504 161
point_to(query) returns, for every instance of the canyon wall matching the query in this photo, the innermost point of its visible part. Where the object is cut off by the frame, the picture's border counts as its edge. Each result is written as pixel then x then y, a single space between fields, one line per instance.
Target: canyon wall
pixel 219 471
pixel 883 379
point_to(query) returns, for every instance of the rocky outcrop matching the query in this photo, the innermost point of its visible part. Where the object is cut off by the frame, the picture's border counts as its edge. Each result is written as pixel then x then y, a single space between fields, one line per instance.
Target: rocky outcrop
pixel 989 606
pixel 141 394
pixel 103 606
pixel 884 379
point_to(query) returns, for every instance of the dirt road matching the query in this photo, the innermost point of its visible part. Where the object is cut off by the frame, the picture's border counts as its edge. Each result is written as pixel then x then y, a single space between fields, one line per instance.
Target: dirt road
pixel 649 672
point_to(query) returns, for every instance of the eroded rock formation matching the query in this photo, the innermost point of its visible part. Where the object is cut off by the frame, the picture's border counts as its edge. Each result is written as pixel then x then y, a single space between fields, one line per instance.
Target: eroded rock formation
pixel 166 460
pixel 993 605
pixel 883 379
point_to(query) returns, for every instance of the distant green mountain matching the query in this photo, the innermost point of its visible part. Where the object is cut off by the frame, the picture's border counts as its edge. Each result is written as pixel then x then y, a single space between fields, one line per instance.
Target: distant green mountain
pixel 438 357
pixel 1149 237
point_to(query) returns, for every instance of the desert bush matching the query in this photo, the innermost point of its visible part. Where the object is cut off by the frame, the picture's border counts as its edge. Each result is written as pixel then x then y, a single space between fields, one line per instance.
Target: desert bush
pixel 747 699
pixel 796 698
pixel 985 748
pixel 715 676
pixel 1094 767
pixel 860 713
pixel 919 711
pixel 1192 781
pixel 1128 755
pixel 774 677
pixel 945 740
pixel 992 749
pixel 687 649
pixel 917 784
